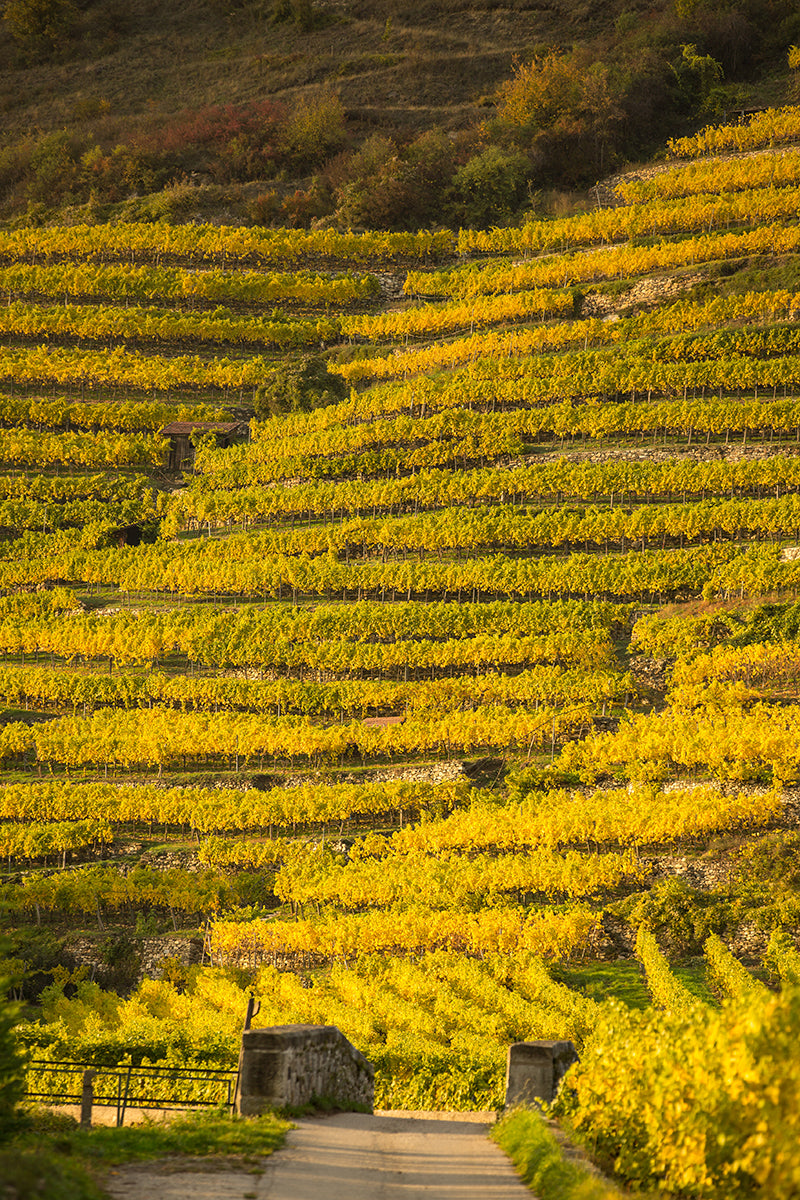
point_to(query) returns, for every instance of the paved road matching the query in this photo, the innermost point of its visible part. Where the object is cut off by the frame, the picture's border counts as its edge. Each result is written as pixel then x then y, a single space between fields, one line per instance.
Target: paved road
pixel 391 1157
pixel 353 1156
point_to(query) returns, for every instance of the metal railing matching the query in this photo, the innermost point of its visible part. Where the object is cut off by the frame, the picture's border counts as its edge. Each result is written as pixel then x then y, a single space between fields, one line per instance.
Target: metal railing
pixel 167 1089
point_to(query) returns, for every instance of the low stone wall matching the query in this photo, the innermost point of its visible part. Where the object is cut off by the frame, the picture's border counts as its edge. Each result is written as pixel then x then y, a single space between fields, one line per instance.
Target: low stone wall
pixel 146 956
pixel 292 1064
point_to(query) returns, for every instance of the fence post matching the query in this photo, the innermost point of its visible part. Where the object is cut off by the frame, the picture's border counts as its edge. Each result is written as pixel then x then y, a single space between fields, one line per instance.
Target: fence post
pixel 253 1009
pixel 87 1098
pixel 122 1103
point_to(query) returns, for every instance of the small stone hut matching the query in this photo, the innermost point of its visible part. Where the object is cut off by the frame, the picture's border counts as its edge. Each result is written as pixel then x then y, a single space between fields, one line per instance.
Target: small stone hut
pixel 181 450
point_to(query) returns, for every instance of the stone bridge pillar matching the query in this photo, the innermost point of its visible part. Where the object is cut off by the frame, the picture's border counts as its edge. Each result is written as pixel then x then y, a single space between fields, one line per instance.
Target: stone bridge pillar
pixel 535 1069
pixel 294 1064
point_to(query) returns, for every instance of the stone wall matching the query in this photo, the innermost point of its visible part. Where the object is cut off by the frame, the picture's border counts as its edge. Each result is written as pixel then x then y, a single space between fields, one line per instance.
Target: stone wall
pixel 290 1065
pixel 643 294
pixel 146 961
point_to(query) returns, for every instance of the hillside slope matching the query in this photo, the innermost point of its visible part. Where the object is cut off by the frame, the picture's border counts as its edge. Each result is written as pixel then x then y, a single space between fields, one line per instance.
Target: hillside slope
pixel 457 710
pixel 300 112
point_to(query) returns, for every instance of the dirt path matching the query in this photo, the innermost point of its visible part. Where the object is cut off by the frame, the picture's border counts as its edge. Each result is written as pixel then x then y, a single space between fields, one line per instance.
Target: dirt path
pixel 352 1156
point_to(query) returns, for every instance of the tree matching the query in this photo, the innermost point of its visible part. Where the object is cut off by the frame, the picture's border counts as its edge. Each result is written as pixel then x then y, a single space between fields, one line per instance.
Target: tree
pixel 491 186
pixel 564 110
pixel 385 186
pixel 299 386
pixel 39 24
pixel 699 74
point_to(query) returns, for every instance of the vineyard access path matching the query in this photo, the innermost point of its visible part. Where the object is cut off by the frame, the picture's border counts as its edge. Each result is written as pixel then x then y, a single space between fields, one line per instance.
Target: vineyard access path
pixel 350 1156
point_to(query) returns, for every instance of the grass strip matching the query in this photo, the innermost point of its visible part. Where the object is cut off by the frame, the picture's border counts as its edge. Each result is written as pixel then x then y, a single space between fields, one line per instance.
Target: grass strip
pixel 539 1160
pixel 44 1175
pixel 52 1158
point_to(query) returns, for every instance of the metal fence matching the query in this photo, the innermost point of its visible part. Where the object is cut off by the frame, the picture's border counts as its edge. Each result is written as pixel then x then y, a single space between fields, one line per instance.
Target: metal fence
pixel 149 1088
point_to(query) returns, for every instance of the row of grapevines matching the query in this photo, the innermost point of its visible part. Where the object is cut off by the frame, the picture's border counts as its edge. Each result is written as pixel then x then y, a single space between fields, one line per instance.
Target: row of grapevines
pixel 126 415
pixel 45 688
pixel 22 514
pixel 728 343
pixel 451 881
pixel 62 489
pixel 550 482
pixel 92 890
pixel 410 930
pixel 782 955
pixel 428 320
pixel 41 839
pixel 217 243
pixel 665 989
pixel 681 637
pixel 656 217
pixel 730 976
pixel 513 529
pixel 123 368
pixel 40 605
pixel 27 448
pixel 736 174
pixel 730 742
pixel 104 322
pixel 157 736
pixel 639 815
pixel 774 126
pixel 219 810
pixel 627 576
pixel 70 279
pixel 616 262
pixel 761 665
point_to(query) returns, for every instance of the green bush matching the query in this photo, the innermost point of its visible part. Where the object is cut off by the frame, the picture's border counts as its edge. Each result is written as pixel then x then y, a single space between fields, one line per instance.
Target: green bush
pixel 680 916
pixel 39 25
pixel 491 186
pixel 299 385
pixel 384 186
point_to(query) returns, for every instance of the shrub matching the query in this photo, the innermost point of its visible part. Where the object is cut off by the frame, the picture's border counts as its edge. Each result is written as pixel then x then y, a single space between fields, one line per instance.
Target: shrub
pixel 39 25
pixel 298 386
pixel 54 171
pixel 490 186
pixel 384 187
pixel 314 131
pixel 680 916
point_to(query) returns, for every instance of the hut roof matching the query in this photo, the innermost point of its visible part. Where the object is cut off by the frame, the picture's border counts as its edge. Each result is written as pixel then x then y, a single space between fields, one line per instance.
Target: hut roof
pixel 183 428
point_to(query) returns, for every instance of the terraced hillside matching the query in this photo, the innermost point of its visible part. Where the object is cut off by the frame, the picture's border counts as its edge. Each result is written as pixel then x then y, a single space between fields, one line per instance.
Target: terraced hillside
pixel 443 711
